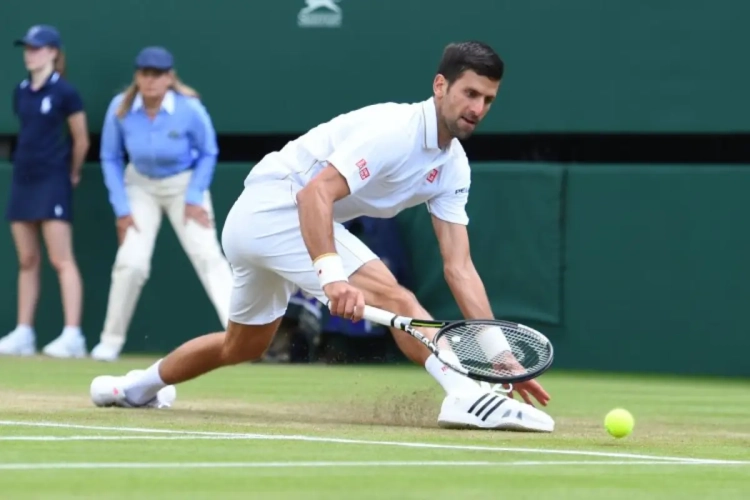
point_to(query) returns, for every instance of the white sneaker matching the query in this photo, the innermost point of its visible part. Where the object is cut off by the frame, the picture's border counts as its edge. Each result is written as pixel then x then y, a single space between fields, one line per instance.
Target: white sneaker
pixel 105 352
pixel 19 342
pixel 70 344
pixel 489 410
pixel 109 391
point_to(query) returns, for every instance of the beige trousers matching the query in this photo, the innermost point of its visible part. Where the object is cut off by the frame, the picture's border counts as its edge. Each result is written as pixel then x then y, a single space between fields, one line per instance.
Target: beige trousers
pixel 149 199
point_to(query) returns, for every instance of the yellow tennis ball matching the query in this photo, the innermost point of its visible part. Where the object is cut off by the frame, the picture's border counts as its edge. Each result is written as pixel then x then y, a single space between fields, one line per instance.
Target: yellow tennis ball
pixel 619 422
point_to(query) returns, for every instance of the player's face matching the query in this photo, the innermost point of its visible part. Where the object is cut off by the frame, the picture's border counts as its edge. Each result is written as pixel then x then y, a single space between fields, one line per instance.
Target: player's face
pixel 153 84
pixel 464 104
pixel 37 58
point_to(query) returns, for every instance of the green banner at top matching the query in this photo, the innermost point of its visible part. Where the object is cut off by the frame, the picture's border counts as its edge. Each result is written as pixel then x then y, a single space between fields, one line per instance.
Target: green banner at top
pixel 286 65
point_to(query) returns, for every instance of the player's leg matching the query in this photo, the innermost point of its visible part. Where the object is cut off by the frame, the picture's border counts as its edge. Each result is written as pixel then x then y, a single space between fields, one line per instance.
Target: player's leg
pixel 238 344
pixel 381 289
pixel 467 404
pixel 258 302
pixel 130 271
pixel 22 340
pixel 58 239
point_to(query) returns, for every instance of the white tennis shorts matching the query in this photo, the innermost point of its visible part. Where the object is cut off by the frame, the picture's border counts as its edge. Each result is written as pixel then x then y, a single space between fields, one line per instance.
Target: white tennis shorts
pixel 264 246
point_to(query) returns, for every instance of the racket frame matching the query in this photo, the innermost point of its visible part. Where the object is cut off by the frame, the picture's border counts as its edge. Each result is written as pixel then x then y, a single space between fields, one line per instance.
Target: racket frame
pixel 408 325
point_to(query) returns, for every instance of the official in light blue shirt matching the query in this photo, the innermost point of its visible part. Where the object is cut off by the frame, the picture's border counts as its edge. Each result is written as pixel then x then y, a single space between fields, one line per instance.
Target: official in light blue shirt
pixel 165 131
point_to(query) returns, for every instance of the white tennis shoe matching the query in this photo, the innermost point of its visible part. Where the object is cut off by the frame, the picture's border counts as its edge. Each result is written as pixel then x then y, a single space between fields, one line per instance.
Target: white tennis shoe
pixel 19 342
pixel 490 410
pixel 107 391
pixel 105 352
pixel 70 344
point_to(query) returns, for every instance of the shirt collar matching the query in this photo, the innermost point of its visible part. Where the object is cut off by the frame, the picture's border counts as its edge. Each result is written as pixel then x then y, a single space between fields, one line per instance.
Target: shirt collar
pixel 54 77
pixel 429 113
pixel 167 104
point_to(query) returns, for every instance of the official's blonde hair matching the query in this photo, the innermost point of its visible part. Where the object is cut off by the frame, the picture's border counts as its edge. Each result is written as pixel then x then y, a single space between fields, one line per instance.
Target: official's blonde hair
pixel 132 90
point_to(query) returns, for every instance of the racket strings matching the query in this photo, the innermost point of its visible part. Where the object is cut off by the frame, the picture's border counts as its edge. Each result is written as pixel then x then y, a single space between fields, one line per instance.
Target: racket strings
pixel 494 350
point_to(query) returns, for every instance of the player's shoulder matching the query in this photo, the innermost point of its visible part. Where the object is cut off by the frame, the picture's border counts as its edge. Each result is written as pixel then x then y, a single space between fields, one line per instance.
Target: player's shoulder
pixel 458 153
pixel 459 160
pixel 395 122
pixel 384 115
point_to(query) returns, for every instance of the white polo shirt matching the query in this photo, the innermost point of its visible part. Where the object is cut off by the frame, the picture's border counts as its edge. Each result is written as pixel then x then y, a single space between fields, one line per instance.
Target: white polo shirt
pixel 390 158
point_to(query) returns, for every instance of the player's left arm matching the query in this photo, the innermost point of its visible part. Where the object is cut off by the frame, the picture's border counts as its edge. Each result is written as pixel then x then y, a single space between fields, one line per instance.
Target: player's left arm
pixel 450 221
pixel 458 268
pixel 469 291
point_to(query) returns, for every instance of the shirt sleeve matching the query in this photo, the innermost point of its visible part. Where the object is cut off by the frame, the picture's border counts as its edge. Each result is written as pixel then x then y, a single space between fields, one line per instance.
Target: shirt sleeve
pixel 72 102
pixel 450 204
pixel 112 156
pixel 368 154
pixel 203 142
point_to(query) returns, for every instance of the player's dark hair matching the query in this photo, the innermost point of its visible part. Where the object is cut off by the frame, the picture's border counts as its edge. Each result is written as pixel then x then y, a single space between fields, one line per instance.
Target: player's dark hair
pixel 475 56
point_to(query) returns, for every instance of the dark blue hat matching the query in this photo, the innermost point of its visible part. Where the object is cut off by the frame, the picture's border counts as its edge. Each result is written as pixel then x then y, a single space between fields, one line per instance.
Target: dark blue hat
pixel 41 36
pixel 154 58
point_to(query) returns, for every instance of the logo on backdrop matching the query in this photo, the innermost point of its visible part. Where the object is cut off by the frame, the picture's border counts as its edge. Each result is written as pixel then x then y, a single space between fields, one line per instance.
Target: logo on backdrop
pixel 320 14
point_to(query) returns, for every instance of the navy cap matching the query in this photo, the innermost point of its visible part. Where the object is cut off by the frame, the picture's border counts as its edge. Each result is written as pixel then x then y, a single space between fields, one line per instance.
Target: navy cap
pixel 154 58
pixel 41 36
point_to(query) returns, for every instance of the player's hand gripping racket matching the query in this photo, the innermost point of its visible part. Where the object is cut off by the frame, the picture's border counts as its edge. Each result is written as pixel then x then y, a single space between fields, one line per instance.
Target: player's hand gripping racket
pixel 489 350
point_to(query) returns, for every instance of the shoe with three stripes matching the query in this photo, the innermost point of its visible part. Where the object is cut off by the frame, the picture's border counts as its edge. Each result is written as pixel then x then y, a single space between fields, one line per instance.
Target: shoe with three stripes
pixel 490 410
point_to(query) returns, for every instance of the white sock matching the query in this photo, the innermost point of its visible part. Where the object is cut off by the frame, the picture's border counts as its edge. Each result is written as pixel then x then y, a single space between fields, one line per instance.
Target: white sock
pixel 449 379
pixel 140 390
pixel 27 329
pixel 74 331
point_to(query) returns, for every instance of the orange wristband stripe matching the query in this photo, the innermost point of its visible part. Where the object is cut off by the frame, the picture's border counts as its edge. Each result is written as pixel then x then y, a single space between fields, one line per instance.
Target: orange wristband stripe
pixel 316 259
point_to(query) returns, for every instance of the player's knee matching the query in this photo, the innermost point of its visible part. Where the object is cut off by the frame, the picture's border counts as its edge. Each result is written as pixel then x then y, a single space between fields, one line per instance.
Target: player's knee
pixel 245 343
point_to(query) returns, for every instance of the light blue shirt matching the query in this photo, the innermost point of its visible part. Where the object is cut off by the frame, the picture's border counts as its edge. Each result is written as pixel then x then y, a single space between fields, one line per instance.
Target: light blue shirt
pixel 180 137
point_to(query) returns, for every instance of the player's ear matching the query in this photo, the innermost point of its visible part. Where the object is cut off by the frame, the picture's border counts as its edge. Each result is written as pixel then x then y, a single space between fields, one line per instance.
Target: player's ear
pixel 439 86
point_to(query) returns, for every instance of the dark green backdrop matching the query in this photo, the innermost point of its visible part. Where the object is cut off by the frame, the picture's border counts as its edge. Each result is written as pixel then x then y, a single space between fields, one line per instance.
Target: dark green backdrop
pixel 581 65
pixel 625 267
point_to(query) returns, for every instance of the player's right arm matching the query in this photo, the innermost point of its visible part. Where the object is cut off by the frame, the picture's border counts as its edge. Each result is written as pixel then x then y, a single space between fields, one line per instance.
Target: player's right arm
pixel 366 155
pixel 315 207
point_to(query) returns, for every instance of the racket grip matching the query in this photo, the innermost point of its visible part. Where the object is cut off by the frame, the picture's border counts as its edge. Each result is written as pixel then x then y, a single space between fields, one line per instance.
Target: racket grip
pixel 385 318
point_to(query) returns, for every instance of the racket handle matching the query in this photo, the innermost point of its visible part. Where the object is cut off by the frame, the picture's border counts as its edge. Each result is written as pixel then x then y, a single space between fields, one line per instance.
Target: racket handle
pixel 385 318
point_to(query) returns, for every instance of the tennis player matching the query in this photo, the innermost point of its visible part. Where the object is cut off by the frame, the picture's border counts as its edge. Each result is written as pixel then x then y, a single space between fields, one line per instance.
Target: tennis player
pixel 285 230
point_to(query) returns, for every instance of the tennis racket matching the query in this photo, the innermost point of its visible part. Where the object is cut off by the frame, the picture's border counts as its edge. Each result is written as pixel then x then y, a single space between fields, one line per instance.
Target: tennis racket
pixel 487 350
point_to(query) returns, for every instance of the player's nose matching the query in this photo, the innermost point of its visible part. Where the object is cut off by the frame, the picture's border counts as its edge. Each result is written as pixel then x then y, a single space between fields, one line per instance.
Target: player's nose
pixel 476 108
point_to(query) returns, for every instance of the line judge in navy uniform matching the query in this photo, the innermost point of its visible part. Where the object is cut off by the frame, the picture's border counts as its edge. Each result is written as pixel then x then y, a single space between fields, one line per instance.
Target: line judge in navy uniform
pixel 170 141
pixel 50 151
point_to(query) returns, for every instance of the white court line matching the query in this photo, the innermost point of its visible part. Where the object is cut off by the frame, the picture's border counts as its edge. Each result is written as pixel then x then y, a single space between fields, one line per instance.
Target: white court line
pixel 230 435
pixel 287 465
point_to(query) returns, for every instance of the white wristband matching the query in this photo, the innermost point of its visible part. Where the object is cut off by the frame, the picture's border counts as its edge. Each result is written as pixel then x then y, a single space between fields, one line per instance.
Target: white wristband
pixel 329 267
